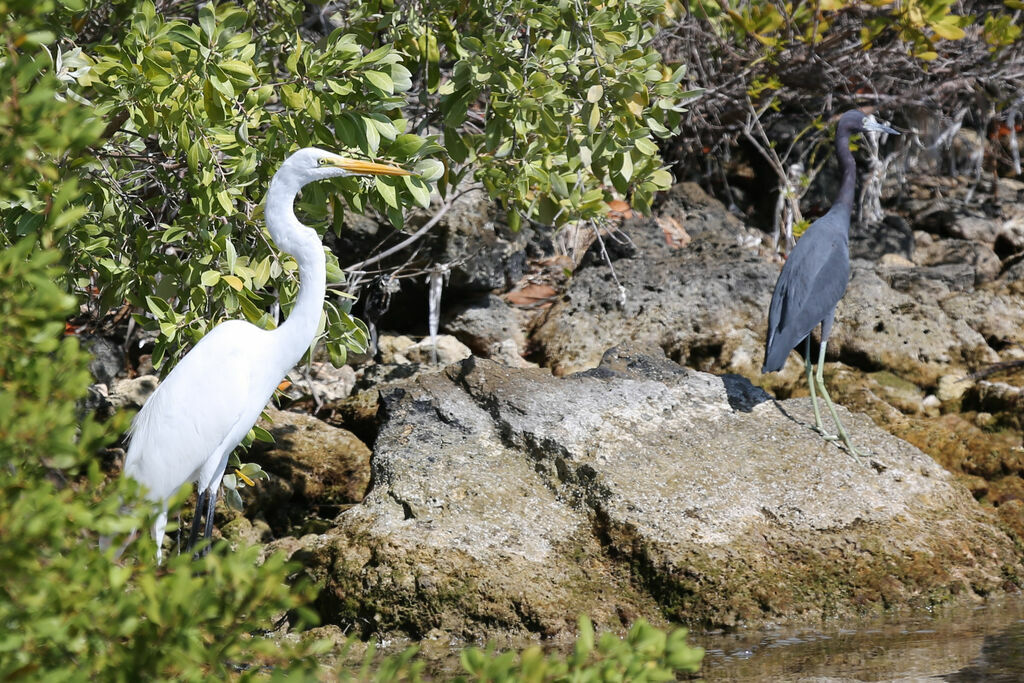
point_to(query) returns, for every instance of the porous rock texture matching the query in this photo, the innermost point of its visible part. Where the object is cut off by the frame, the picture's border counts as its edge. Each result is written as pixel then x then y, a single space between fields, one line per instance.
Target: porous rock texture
pixel 909 334
pixel 705 306
pixel 506 501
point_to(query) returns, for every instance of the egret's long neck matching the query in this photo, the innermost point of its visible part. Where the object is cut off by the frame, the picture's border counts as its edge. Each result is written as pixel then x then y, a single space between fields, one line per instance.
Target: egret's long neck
pixel 848 170
pixel 296 333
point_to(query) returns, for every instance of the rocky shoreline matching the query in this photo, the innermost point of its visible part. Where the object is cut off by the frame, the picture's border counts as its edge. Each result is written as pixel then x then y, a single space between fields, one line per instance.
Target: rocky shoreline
pixel 646 468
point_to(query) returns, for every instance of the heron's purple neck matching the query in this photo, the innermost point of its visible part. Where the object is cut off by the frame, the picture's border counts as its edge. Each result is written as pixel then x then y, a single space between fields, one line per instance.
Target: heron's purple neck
pixel 848 170
pixel 296 333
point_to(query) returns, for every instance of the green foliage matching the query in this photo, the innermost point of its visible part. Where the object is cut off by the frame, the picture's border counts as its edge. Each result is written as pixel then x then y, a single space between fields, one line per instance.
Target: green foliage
pixel 69 612
pixel 919 24
pixel 555 112
pixel 42 373
pixel 554 107
pixel 1001 30
pixel 200 114
pixel 38 129
pixel 645 654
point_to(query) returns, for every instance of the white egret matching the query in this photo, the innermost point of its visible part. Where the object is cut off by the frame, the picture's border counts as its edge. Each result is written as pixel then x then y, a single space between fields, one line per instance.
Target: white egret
pixel 189 426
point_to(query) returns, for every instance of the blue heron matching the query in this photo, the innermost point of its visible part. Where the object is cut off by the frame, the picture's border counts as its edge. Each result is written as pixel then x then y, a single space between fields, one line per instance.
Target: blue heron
pixel 815 276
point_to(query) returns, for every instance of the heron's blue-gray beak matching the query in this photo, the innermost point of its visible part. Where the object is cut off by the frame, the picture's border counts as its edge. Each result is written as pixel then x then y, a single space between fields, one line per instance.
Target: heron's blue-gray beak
pixel 871 124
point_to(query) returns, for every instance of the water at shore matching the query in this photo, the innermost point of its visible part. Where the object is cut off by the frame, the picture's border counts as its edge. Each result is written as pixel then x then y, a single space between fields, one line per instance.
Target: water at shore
pixel 960 645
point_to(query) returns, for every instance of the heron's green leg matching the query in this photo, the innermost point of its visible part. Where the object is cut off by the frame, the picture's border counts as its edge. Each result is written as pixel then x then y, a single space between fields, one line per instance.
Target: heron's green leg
pixel 818 426
pixel 820 377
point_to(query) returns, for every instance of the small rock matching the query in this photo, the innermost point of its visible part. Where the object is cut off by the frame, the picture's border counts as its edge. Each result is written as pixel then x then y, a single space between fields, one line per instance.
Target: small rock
pixel 507 353
pixel 984 420
pixel 132 393
pixel 930 282
pixel 449 350
pixel 481 322
pixel 1010 238
pixel 978 486
pixel 923 239
pixel 1014 276
pixel 241 531
pixel 895 261
pixel 952 387
pixel 392 349
pixel 906 396
pixel 957 251
pixel 932 405
pixel 1000 397
pixel 314 467
pixel 1011 513
pixel 975 228
pixel 328 382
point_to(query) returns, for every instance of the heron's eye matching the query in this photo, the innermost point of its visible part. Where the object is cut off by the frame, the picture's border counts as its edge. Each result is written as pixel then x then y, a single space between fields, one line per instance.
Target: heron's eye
pixel 322 161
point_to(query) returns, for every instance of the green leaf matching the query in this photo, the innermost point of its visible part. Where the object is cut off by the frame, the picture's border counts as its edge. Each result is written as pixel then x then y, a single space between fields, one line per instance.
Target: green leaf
pixel 662 179
pixel 157 306
pixel 207 21
pixel 372 136
pixel 238 69
pixel 419 190
pixel 646 147
pixel 380 80
pixel 429 169
pixel 386 191
pixel 627 167
pixel 224 199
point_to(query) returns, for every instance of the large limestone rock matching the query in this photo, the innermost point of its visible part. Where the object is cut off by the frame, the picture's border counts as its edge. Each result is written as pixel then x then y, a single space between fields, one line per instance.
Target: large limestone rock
pixel 507 501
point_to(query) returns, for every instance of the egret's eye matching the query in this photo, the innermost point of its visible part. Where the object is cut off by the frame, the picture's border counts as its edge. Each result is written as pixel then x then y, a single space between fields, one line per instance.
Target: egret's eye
pixel 322 161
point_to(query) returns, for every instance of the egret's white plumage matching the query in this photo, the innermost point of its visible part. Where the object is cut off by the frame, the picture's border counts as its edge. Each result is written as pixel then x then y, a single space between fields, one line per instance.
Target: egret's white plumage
pixel 187 429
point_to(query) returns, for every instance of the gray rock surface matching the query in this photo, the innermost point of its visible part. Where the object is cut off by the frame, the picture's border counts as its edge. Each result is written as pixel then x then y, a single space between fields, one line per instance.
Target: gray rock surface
pixel 315 470
pixel 321 380
pixel 701 304
pixel 705 305
pixel 908 334
pixel 958 251
pixel 481 322
pixel 507 501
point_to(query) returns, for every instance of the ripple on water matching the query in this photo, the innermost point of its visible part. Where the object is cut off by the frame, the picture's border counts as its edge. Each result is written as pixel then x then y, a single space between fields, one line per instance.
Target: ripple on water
pixel 959 645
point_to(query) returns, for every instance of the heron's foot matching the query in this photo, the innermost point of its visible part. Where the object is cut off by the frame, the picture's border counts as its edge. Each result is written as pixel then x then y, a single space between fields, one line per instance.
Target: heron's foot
pixel 862 453
pixel 825 435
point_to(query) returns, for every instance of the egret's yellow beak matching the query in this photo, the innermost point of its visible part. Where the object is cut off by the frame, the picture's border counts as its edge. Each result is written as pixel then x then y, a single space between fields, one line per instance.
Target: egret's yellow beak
pixel 358 166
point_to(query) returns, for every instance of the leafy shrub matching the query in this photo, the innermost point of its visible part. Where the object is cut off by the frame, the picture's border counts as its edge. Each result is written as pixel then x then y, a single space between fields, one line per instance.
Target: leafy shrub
pixel 68 612
pixel 555 113
pixel 554 107
pixel 645 654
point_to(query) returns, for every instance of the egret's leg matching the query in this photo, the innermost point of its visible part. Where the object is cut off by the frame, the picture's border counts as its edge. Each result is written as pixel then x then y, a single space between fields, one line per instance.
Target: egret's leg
pixel 211 501
pixel 158 533
pixel 193 535
pixel 209 511
pixel 818 426
pixel 828 402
